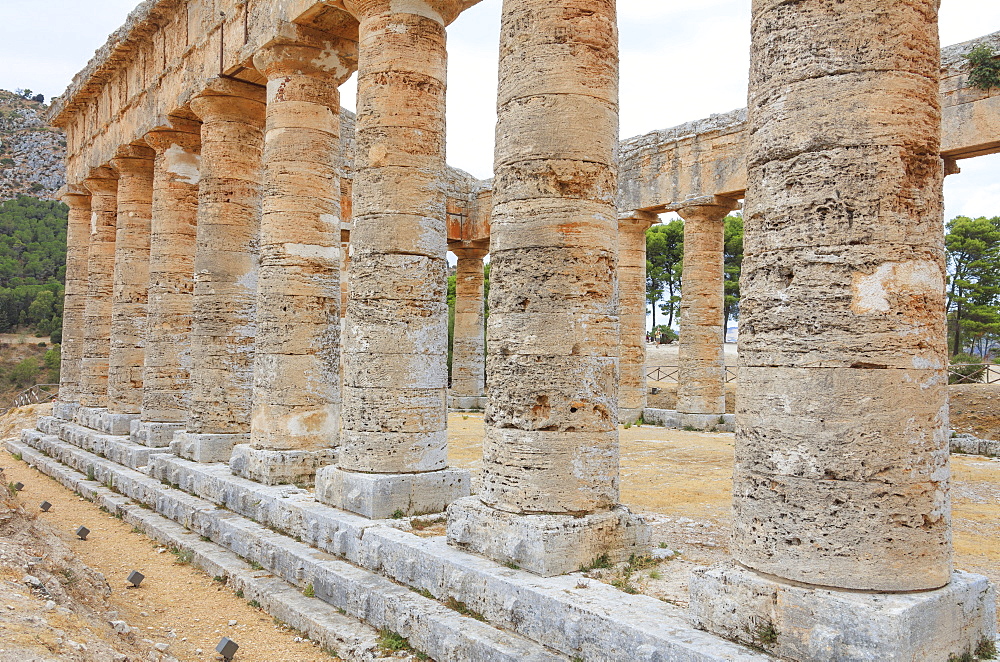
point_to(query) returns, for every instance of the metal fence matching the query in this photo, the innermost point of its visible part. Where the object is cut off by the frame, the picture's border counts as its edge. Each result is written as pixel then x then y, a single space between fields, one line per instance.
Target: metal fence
pixel 973 373
pixel 32 396
pixel 668 373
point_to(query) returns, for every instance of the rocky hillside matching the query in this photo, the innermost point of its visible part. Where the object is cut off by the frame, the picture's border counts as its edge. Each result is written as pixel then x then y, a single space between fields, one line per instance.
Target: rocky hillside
pixel 31 153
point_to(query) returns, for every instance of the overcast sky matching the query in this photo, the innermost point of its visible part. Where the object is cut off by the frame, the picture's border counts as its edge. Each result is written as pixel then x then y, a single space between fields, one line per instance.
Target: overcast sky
pixel 681 61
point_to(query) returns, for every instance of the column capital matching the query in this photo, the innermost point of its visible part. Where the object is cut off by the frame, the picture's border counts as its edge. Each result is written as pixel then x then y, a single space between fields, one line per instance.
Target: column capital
pixel 102 181
pixel 228 99
pixel 133 159
pixel 443 11
pixel 637 220
pixel 74 196
pixel 300 50
pixel 469 252
pixel 182 132
pixel 710 207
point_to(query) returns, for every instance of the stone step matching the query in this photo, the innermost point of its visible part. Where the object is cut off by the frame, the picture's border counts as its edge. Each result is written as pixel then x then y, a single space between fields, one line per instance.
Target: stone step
pixel 341 635
pixel 442 633
pixel 597 622
pixel 117 448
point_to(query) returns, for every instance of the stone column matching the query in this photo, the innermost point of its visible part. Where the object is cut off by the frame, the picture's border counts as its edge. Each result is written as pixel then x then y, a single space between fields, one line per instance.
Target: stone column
pixel 632 388
pixel 701 374
pixel 841 477
pixel 225 270
pixel 103 187
pixel 134 164
pixel 166 386
pixel 468 354
pixel 75 301
pixel 296 403
pixel 393 453
pixel 550 454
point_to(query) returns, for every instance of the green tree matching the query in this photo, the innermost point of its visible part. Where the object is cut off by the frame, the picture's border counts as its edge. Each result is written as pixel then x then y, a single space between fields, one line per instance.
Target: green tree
pixel 24 373
pixel 52 360
pixel 733 265
pixel 973 296
pixel 664 266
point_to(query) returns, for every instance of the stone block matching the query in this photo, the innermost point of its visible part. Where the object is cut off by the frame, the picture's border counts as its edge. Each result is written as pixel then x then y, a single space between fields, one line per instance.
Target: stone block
pixel 205 447
pixel 670 418
pixel 628 416
pixel 113 424
pixel 284 467
pixel 546 545
pixel 801 622
pixel 379 496
pixel 153 434
pixel 65 410
pixel 467 402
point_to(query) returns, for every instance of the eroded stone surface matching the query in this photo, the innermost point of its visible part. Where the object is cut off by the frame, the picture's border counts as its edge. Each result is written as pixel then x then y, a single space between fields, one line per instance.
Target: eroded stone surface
pixel 841 442
pixel 75 301
pixel 468 356
pixel 632 313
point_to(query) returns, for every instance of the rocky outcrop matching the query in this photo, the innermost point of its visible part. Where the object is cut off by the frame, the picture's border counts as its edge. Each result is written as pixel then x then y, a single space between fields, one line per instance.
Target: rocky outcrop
pixel 31 153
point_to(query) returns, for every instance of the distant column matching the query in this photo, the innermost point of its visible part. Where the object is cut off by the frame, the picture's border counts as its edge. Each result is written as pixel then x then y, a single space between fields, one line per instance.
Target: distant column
pixel 75 302
pixel 701 374
pixel 128 310
pixel 468 354
pixel 549 500
pixel 103 187
pixel 632 313
pixel 225 270
pixel 393 453
pixel 166 376
pixel 296 404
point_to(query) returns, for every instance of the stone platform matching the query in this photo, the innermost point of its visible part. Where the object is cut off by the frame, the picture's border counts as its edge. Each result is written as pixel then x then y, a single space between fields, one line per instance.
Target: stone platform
pixel 669 418
pixel 382 574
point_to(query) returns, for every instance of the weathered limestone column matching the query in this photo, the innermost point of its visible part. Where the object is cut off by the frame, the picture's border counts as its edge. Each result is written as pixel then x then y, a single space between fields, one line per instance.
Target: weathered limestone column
pixel 393 453
pixel 632 388
pixel 103 187
pixel 841 476
pixel 550 457
pixel 468 354
pixel 296 403
pixel 134 164
pixel 166 387
pixel 701 374
pixel 225 270
pixel 75 301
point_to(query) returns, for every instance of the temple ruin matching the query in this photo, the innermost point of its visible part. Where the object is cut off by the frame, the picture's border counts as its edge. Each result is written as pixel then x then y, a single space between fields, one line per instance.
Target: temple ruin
pixel 255 334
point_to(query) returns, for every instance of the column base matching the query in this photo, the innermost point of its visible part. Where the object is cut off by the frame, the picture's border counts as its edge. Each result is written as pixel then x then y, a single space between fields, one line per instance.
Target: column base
pixel 288 467
pixel 153 434
pixel 668 418
pixel 630 416
pixel 467 402
pixel 546 545
pixel 205 448
pixel 100 419
pixel 381 496
pixel 800 622
pixel 65 411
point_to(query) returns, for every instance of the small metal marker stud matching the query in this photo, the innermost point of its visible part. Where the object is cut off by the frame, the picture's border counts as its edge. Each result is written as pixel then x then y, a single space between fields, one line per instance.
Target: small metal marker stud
pixel 45 505
pixel 227 648
pixel 18 487
pixel 83 532
pixel 135 578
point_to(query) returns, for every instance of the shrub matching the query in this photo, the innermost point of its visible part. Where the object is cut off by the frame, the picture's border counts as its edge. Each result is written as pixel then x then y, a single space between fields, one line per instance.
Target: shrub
pixel 984 69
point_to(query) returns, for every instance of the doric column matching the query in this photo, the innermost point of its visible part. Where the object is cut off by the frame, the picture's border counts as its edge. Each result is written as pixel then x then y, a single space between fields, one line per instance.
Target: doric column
pixel 841 477
pixel 393 453
pixel 632 313
pixel 225 270
pixel 468 353
pixel 103 187
pixel 128 312
pixel 701 375
pixel 550 454
pixel 75 301
pixel 296 403
pixel 166 386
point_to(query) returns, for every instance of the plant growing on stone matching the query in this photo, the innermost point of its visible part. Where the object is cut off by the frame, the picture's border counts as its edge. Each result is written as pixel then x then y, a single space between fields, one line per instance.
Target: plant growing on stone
pixel 984 67
pixel 987 649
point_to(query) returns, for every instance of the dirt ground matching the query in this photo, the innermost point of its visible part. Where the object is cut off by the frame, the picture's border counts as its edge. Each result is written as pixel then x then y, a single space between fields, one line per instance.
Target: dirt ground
pixel 975 408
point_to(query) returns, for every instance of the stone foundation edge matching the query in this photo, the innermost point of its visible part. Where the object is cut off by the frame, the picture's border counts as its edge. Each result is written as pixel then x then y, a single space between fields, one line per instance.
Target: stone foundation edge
pixel 669 418
pixel 809 623
pixel 382 496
